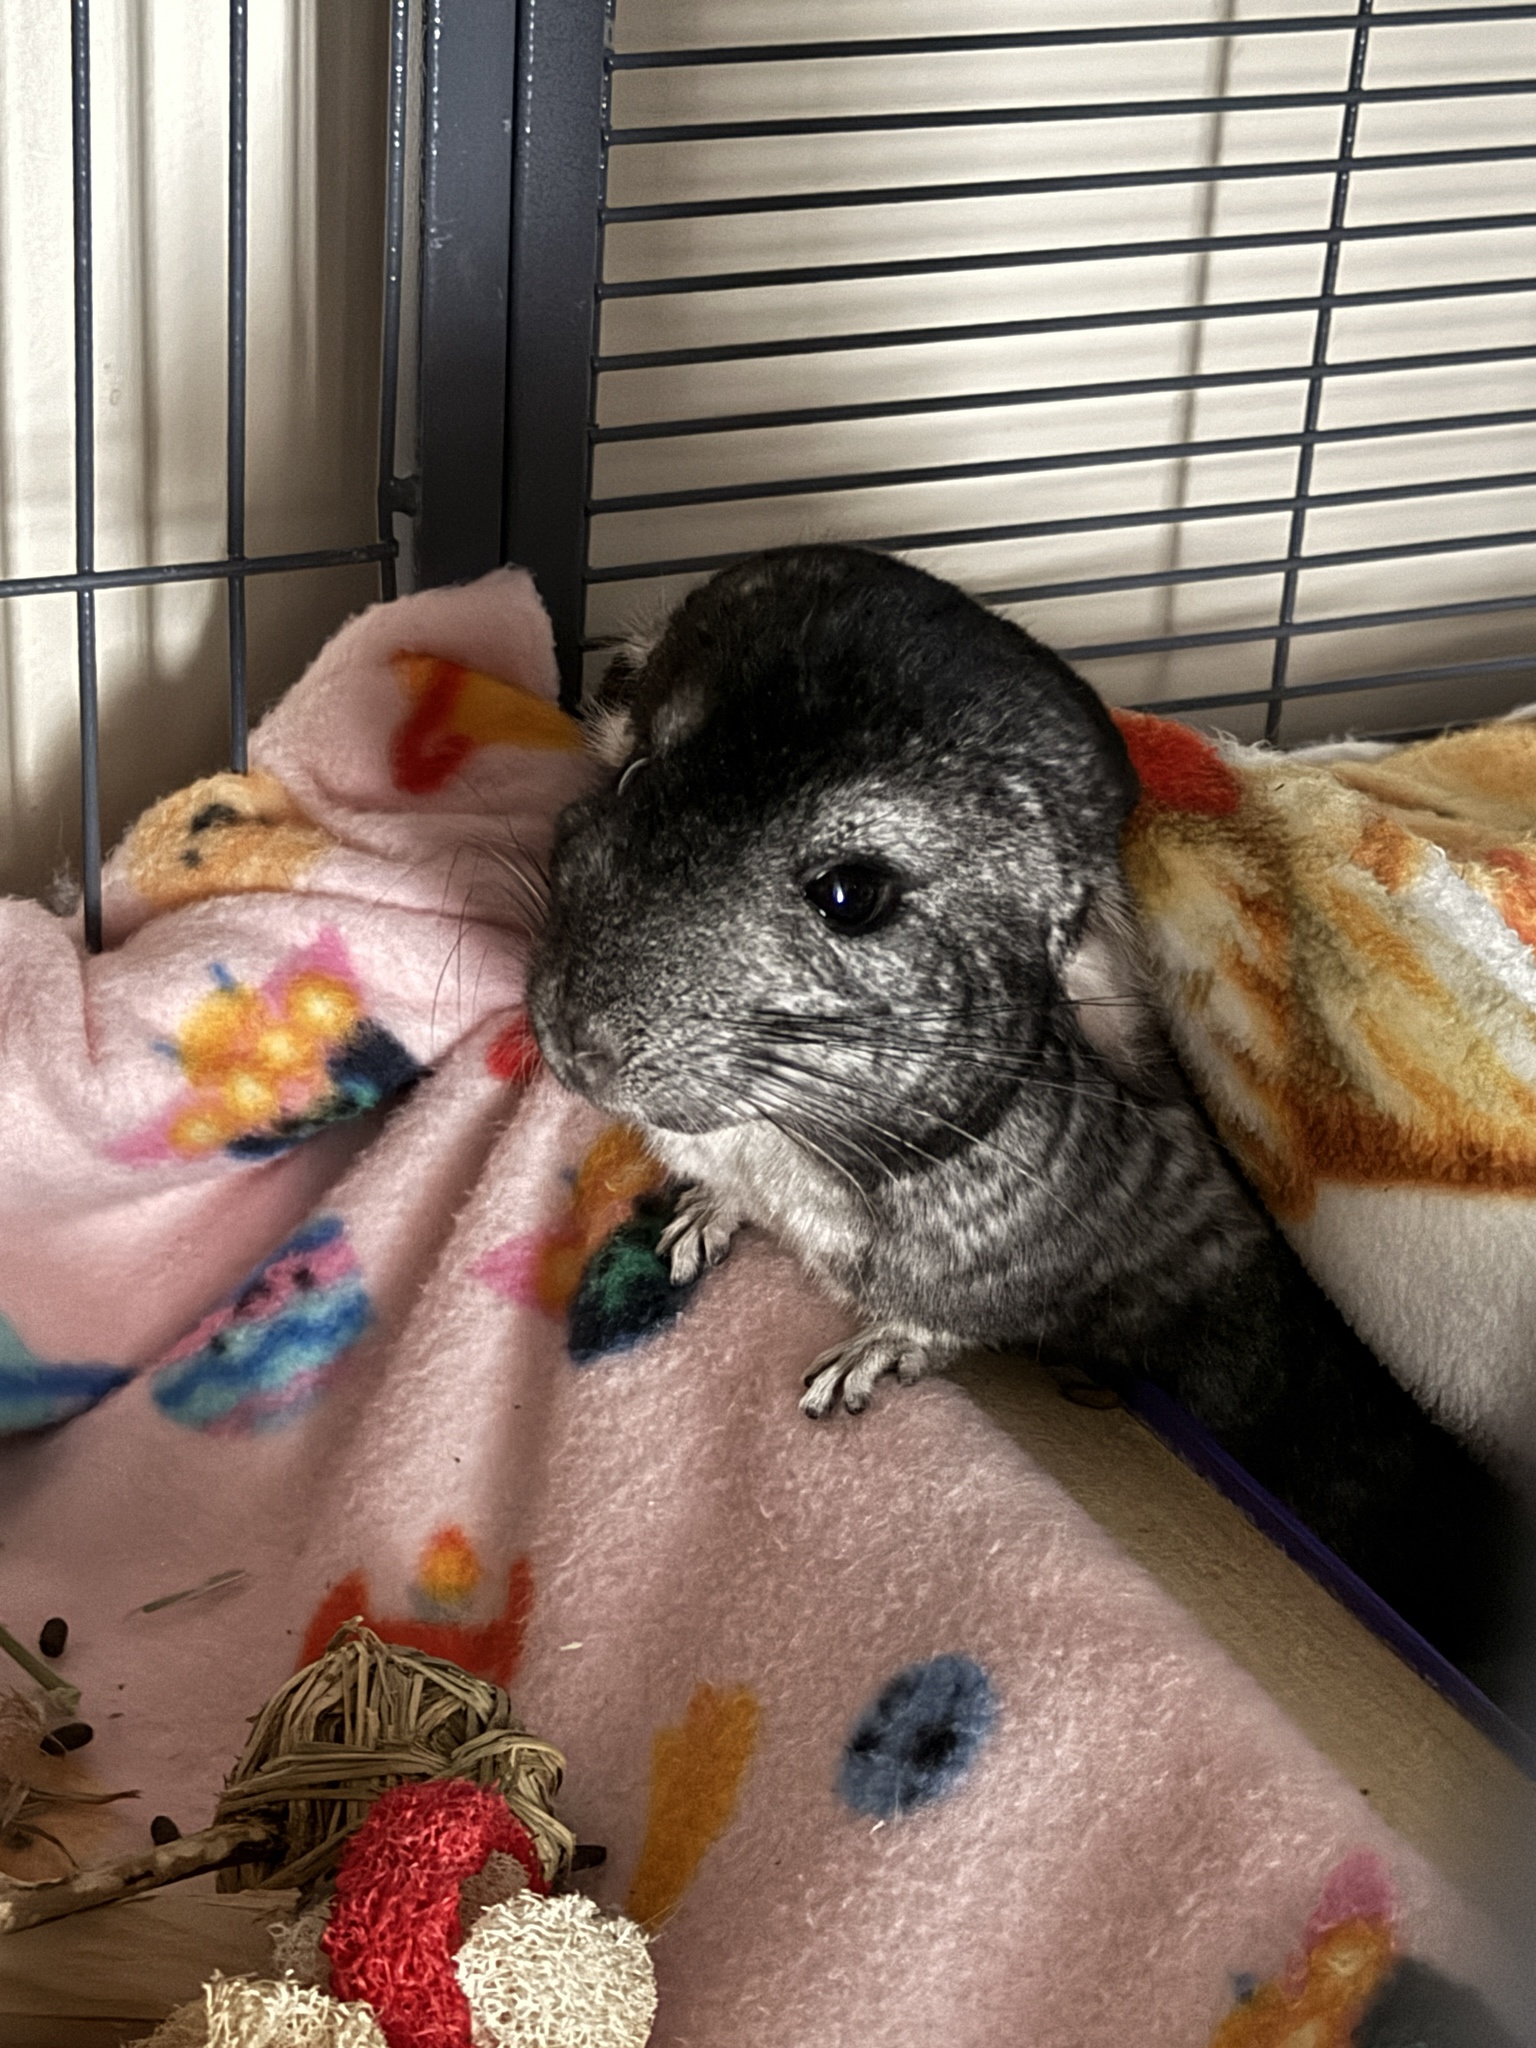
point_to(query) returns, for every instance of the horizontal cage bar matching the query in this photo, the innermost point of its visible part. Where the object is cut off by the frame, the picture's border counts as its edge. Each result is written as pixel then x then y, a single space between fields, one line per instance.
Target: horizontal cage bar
pixel 1057 394
pixel 803 125
pixel 1077 181
pixel 1069 323
pixel 1084 458
pixel 1033 259
pixel 1296 629
pixel 1220 572
pixel 1345 685
pixel 1052 38
pixel 221 570
pixel 1092 522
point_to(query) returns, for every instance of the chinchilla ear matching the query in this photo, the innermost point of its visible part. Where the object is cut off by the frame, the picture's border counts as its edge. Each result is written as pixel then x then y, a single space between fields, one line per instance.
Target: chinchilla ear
pixel 1106 985
pixel 607 712
pixel 650 698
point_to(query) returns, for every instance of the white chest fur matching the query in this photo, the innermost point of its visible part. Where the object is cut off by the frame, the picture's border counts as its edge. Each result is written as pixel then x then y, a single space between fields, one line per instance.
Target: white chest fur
pixel 757 1174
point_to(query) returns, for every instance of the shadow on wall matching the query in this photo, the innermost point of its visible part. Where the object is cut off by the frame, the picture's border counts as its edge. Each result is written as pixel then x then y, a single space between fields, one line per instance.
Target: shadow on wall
pixel 318 79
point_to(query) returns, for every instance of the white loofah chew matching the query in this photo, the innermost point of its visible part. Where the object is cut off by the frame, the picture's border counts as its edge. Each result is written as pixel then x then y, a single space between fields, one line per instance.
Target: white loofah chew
pixel 186 2027
pixel 254 2012
pixel 296 1950
pixel 557 1973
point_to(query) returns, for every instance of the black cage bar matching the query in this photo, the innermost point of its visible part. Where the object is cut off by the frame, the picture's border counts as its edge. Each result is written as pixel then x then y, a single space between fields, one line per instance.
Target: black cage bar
pixel 235 565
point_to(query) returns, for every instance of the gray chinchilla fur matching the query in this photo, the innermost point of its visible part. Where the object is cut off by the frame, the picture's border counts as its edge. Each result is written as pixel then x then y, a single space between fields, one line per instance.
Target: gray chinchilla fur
pixel 847 934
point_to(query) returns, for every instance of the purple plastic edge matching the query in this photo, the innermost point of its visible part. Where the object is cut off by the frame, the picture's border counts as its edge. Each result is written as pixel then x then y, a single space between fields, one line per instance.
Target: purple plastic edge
pixel 1178 1429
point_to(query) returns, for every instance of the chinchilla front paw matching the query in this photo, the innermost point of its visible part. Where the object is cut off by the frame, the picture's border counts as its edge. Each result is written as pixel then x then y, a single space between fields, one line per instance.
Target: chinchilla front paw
pixel 699 1234
pixel 849 1370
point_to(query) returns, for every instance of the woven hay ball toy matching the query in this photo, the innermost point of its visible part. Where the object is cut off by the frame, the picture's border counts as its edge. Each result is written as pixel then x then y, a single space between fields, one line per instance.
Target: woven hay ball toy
pixel 363 1718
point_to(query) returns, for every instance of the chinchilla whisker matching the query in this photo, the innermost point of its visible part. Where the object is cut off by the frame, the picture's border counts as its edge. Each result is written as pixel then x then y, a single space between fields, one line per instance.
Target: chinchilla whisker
pixel 963 1012
pixel 452 959
pixel 540 868
pixel 796 1137
pixel 1022 1065
pixel 518 862
pixel 454 954
pixel 842 1130
pixel 534 888
pixel 524 901
pixel 1023 1166
pixel 879 1028
pixel 520 893
pixel 1030 1077
pixel 799 1138
pixel 846 1084
pixel 793 1104
pixel 1105 1002
pixel 505 824
pixel 791 1074
pixel 520 904
pixel 1017 1066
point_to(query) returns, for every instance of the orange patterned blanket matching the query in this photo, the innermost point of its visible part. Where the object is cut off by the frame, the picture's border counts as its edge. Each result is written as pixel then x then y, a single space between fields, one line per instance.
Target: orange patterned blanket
pixel 1346 943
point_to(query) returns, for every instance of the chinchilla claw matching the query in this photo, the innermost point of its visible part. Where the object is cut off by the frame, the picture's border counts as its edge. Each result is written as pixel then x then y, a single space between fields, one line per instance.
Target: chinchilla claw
pixel 698 1235
pixel 849 1371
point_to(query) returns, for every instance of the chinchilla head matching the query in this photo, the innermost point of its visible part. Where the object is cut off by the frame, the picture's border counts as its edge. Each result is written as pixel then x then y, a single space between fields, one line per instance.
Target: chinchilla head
pixel 855 833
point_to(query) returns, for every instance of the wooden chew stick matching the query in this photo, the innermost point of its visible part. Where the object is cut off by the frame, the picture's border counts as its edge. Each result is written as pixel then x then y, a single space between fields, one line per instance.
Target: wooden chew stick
pixel 27 1905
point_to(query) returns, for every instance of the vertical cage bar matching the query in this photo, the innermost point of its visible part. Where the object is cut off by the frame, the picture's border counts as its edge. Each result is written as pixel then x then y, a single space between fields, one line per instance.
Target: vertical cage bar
pixel 85 473
pixel 1207 197
pixel 1314 401
pixel 234 432
pixel 558 187
pixel 394 246
pixel 469 61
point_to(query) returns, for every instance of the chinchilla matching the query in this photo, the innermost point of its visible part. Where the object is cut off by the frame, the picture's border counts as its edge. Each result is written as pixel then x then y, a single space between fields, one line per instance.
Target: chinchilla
pixel 847 934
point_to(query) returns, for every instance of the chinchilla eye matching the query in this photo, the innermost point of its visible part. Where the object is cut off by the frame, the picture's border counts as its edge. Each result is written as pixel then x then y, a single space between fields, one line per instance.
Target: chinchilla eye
pixel 640 761
pixel 854 898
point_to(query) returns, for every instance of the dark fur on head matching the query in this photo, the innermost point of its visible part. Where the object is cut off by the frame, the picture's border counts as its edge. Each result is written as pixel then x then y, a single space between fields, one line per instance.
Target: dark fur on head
pixel 962 1116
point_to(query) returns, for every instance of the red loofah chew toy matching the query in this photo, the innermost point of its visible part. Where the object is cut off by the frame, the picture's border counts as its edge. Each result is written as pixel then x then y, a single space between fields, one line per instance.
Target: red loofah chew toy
pixel 394 1926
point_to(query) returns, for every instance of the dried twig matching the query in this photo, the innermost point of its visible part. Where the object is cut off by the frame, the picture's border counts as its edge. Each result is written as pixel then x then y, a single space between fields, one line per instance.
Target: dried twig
pixel 28 1905
pixel 65 1695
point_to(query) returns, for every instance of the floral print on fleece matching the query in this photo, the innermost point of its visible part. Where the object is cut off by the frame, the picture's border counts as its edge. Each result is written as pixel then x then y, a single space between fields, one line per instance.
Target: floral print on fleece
pixel 269 1066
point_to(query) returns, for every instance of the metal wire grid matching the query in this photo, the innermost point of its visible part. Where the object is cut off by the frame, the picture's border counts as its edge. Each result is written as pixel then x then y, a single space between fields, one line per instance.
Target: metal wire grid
pixel 569 578
pixel 235 565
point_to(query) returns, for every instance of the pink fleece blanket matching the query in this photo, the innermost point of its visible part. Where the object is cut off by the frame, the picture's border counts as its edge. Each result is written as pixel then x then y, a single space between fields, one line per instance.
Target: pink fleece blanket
pixel 328 1285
